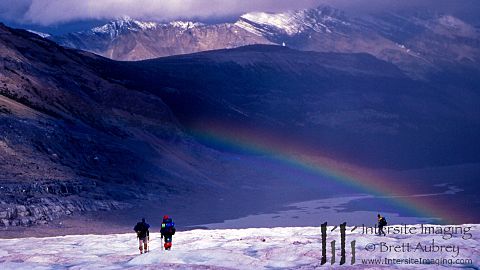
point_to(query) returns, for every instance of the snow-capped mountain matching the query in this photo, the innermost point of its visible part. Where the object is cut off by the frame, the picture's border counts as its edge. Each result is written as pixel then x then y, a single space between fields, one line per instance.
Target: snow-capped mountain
pixel 125 25
pixel 129 39
pixel 121 26
pixel 414 42
pixel 293 22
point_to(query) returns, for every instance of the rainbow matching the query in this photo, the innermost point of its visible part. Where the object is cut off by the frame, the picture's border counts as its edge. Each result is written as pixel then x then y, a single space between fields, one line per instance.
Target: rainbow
pixel 361 179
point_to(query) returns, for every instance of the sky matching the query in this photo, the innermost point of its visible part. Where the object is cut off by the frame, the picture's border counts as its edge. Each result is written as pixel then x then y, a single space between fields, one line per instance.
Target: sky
pixel 66 14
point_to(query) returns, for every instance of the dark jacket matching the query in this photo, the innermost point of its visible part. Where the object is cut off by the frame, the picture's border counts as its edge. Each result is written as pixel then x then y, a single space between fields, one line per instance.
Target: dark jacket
pixel 142 230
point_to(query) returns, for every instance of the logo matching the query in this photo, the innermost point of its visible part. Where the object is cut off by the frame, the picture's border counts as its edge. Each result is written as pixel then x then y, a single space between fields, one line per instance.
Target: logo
pixel 343 258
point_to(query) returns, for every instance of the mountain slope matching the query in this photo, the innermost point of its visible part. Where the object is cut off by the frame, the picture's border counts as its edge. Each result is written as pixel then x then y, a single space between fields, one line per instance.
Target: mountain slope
pixel 73 141
pixel 80 132
pixel 351 105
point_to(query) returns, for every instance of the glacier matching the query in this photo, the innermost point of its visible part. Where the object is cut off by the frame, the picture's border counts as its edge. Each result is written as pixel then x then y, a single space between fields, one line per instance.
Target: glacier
pixel 252 248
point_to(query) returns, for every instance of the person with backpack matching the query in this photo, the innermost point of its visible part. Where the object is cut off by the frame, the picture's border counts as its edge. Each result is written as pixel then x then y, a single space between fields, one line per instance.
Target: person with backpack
pixel 143 235
pixel 167 231
pixel 382 222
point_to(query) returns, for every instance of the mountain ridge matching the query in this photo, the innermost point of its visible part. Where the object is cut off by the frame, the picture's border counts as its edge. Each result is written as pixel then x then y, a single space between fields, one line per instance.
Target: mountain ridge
pixel 414 42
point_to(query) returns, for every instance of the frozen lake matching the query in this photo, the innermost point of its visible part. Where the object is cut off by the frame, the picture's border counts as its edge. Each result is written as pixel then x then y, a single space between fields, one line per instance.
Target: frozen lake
pixel 314 213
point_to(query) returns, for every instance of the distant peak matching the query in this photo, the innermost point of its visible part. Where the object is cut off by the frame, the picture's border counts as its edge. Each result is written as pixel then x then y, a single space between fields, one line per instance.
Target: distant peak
pixel 320 19
pixel 126 24
pixel 121 24
pixel 185 24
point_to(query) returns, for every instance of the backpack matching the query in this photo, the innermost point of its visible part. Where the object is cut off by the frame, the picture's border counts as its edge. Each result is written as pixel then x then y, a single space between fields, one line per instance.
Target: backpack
pixel 141 229
pixel 168 227
pixel 383 222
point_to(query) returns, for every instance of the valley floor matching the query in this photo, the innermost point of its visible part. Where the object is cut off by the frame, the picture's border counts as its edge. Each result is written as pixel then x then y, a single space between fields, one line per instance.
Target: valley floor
pixel 277 248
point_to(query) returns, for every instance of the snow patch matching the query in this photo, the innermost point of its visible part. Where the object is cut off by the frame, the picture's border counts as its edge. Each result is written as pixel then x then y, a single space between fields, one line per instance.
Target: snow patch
pixel 126 24
pixel 284 21
pixel 450 21
pixel 43 35
pixel 292 22
pixel 123 24
pixel 185 25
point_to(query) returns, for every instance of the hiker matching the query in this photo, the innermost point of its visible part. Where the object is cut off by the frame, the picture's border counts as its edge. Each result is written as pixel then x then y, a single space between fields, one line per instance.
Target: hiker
pixel 167 231
pixel 382 222
pixel 143 235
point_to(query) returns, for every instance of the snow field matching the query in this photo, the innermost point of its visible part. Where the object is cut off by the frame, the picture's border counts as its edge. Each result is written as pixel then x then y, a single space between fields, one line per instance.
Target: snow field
pixel 276 248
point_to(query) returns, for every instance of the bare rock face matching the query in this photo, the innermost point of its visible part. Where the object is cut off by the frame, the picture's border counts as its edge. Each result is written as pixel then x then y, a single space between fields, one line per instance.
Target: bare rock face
pixel 41 201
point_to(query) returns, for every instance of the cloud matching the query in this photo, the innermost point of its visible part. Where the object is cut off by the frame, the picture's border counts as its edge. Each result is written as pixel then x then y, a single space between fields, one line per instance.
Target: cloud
pixel 51 12
pixel 13 9
pixel 47 12
pixel 385 5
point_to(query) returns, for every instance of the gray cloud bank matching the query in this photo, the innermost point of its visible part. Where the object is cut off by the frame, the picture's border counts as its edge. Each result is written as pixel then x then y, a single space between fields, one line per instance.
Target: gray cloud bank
pixel 47 12
pixel 50 12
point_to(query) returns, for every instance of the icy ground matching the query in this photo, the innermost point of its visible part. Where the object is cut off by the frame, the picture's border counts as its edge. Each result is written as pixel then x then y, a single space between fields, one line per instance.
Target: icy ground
pixel 277 248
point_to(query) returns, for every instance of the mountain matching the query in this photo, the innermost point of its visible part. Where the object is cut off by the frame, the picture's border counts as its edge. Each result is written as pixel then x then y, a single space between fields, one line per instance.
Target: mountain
pixel 129 39
pixel 414 42
pixel 354 105
pixel 419 43
pixel 76 140
pixel 83 133
pixel 72 141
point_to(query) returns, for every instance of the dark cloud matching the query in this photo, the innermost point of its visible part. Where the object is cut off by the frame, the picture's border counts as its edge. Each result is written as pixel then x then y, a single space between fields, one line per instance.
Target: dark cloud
pixel 46 12
pixel 13 9
pixel 50 12
pixel 469 9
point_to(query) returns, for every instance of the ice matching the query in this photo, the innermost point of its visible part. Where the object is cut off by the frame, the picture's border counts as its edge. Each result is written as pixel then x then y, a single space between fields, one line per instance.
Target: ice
pixel 253 248
pixel 308 213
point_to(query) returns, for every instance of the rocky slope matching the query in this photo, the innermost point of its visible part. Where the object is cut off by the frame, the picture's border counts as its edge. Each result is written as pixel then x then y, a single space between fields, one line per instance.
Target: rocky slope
pixel 74 138
pixel 71 141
